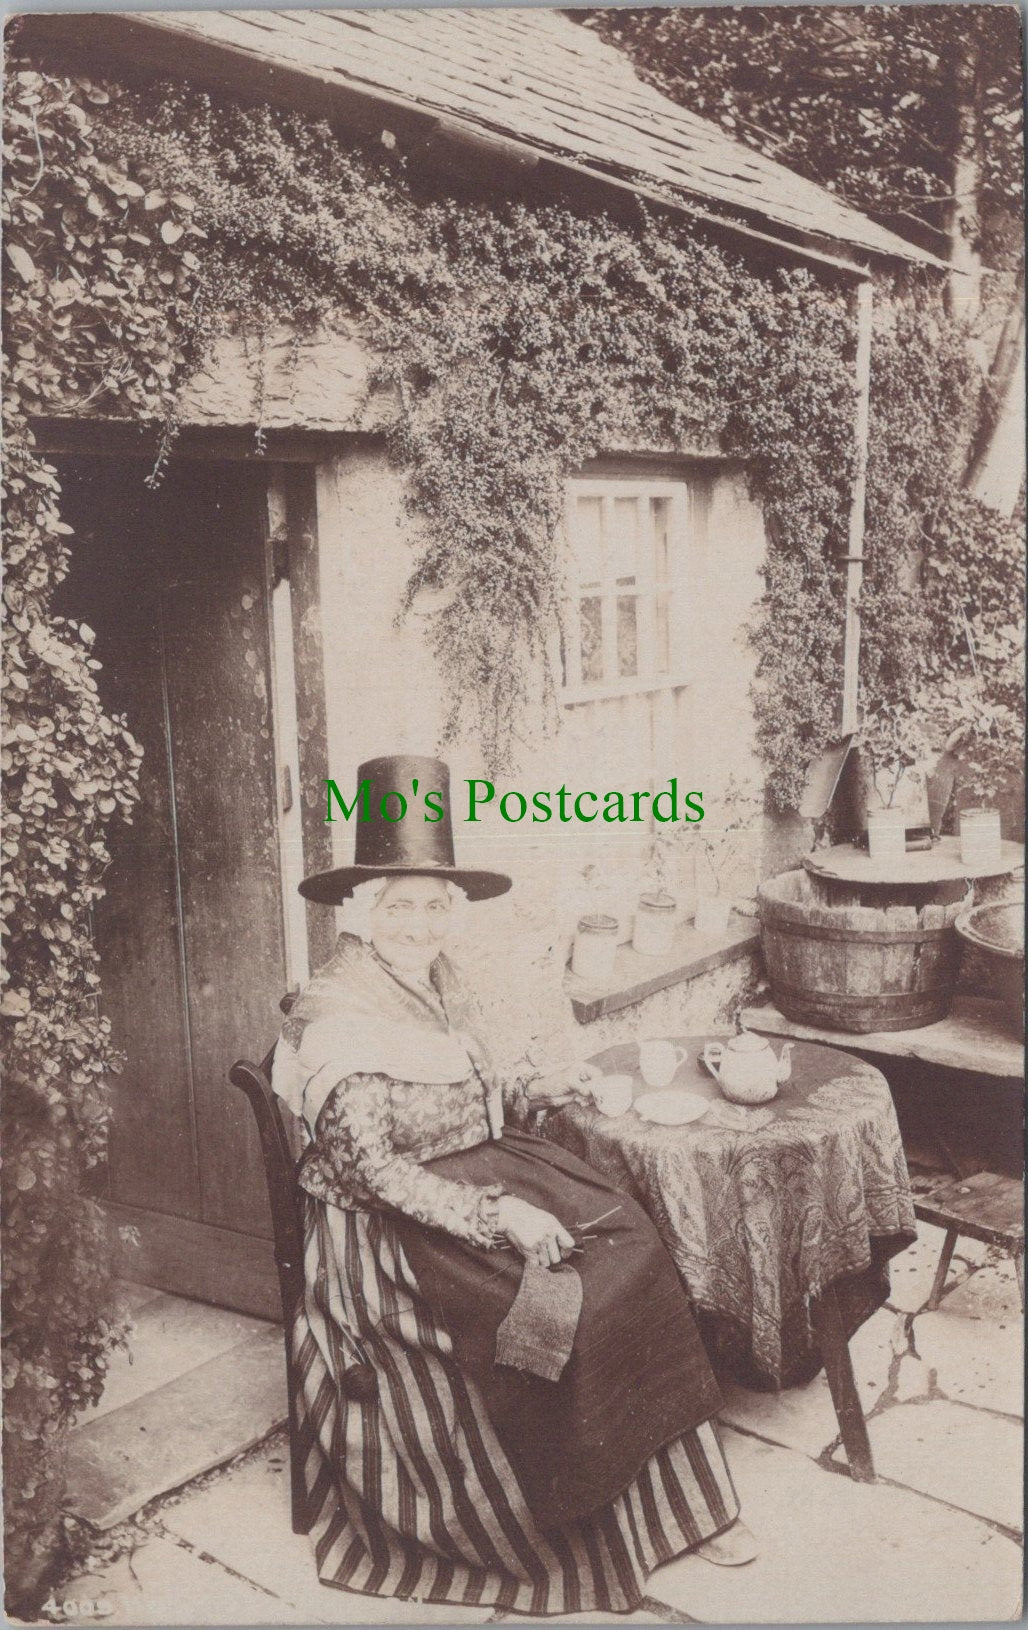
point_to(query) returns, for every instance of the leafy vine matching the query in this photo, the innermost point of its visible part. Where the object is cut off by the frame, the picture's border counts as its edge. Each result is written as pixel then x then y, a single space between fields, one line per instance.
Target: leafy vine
pixel 69 769
pixel 521 341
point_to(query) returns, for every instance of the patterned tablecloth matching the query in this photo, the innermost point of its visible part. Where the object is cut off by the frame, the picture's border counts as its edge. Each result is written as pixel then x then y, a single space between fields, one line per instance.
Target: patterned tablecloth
pixel 760 1219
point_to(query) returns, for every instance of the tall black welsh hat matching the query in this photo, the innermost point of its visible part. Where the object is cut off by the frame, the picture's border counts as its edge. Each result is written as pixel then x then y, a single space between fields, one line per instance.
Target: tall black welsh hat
pixel 385 847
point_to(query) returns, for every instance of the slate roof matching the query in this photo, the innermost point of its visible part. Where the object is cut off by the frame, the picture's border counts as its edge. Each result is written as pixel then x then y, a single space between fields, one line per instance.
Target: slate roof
pixel 533 76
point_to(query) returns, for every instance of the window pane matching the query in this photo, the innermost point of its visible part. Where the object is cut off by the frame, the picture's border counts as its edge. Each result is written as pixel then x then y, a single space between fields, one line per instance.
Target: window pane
pixel 660 515
pixel 625 537
pixel 624 558
pixel 663 636
pixel 588 540
pixel 628 637
pixel 592 639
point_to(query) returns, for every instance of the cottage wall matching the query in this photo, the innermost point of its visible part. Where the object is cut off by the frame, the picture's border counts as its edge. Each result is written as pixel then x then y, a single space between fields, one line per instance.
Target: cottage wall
pixel 384 693
pixel 320 383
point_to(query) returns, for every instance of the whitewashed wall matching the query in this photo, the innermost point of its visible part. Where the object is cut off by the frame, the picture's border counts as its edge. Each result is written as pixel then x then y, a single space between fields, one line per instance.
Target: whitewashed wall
pixel 384 695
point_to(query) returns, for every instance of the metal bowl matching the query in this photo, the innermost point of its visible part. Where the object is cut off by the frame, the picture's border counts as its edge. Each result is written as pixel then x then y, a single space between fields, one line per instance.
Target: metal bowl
pixel 996 930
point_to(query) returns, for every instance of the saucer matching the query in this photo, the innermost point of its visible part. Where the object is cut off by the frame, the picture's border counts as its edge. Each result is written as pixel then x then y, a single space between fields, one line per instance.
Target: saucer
pixel 671 1106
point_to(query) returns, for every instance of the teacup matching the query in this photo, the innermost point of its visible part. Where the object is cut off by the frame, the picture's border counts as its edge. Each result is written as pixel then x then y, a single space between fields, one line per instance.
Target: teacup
pixel 658 1061
pixel 612 1094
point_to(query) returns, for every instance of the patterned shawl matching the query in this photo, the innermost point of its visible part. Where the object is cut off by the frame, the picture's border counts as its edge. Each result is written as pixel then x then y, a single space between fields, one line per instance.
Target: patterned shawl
pixel 358 1014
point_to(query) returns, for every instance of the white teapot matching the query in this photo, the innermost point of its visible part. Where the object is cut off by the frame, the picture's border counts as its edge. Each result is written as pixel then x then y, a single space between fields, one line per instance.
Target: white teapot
pixel 746 1069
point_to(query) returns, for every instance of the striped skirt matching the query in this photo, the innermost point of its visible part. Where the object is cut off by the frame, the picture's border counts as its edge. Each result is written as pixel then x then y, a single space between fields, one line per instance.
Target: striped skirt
pixel 411 1493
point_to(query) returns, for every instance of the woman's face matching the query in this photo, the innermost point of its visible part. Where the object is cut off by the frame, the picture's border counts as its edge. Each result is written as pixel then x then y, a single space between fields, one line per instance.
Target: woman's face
pixel 410 922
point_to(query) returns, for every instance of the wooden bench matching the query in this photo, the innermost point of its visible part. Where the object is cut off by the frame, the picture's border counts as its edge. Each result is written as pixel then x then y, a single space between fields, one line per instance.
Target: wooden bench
pixel 986 1207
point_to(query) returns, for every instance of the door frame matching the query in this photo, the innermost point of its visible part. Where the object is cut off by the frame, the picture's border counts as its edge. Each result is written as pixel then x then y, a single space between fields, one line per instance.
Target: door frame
pixel 199 1259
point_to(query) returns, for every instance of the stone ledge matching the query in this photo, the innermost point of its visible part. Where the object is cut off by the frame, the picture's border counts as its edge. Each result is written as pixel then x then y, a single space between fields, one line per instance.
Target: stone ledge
pixel 636 977
pixel 973 1037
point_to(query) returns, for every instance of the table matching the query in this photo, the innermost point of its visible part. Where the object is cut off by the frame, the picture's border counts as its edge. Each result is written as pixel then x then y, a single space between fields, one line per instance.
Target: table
pixel 918 869
pixel 973 1041
pixel 847 863
pixel 773 1222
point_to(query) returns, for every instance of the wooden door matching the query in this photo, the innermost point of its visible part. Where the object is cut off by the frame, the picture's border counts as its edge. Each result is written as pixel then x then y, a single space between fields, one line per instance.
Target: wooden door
pixel 175 584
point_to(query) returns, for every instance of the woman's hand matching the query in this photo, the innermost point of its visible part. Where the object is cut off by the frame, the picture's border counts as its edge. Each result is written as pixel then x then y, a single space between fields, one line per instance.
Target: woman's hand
pixel 561 1086
pixel 536 1234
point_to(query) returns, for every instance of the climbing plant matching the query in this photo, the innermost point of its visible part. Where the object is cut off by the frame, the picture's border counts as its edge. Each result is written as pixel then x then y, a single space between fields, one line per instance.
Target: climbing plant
pixel 68 770
pixel 942 613
pixel 518 340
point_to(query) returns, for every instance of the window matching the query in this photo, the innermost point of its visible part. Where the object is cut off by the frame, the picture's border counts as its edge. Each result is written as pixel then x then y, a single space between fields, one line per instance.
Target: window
pixel 628 652
pixel 624 626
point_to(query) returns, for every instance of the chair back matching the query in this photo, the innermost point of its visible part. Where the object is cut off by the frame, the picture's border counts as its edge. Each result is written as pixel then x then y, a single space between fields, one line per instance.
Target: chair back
pixel 287 1229
pixel 280 1175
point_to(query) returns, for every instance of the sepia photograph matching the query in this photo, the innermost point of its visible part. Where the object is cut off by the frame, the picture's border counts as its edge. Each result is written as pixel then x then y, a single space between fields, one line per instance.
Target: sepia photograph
pixel 513 815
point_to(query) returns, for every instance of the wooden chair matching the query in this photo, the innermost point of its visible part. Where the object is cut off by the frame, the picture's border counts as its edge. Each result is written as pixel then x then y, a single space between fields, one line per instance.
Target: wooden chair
pixel 287 1231
pixel 987 1207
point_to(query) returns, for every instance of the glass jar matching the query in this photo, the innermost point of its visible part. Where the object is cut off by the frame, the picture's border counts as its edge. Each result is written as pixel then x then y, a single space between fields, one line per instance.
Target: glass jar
pixel 596 944
pixel 980 840
pixel 887 836
pixel 654 925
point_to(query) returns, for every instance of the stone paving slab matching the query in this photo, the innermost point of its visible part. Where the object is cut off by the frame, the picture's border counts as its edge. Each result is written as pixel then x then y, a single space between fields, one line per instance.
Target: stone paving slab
pixel 958 1454
pixel 804 1418
pixel 832 1550
pixel 159 1442
pixel 163 1583
pixel 990 1294
pixel 913 1379
pixel 131 1297
pixel 242 1520
pixel 835 1551
pixel 641 1617
pixel 349 1607
pixel 973 1363
pixel 171 1336
pixel 974 1251
pixel 912 1273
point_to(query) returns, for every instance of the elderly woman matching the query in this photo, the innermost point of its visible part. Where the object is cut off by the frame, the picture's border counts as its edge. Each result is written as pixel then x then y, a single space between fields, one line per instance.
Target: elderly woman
pixel 504 1398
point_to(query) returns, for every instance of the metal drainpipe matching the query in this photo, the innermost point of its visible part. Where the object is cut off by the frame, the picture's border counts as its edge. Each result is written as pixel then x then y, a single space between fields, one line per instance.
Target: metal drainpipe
pixel 864 313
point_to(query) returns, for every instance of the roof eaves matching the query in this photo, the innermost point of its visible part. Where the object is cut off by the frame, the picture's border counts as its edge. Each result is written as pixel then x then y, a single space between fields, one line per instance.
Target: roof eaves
pixel 157 40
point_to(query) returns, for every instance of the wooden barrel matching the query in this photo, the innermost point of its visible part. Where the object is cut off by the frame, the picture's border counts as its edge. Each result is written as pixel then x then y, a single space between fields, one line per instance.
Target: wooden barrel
pixel 857 968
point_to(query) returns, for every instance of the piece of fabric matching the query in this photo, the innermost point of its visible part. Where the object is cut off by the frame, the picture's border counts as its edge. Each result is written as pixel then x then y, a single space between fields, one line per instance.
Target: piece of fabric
pixel 412 1493
pixel 637 1376
pixel 759 1220
pixel 538 1333
pixel 359 1015
pixel 433 1090
pixel 373 1135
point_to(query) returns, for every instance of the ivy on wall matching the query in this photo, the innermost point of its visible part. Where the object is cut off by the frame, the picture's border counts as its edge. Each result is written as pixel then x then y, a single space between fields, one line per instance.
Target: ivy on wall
pixel 520 340
pixel 68 770
pixel 942 655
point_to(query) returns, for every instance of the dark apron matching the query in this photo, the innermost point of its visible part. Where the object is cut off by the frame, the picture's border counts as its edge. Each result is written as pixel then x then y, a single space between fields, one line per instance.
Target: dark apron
pixel 638 1375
